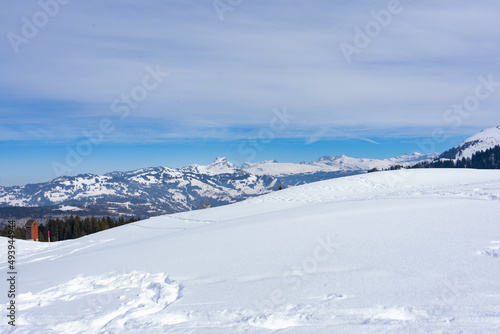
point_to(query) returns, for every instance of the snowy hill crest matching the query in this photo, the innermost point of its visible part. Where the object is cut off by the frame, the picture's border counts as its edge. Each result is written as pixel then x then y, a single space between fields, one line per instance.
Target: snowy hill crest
pixel 481 141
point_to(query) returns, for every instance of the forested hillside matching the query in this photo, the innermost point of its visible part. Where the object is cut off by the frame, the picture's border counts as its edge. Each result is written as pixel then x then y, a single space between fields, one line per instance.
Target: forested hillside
pixel 71 227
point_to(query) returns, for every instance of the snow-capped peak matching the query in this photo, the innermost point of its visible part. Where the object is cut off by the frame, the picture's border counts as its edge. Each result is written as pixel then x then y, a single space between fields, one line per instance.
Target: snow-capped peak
pixel 328 158
pixel 481 141
pixel 219 166
pixel 487 135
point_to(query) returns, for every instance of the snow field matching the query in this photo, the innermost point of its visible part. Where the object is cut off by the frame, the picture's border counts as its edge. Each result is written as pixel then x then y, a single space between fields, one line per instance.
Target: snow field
pixel 391 252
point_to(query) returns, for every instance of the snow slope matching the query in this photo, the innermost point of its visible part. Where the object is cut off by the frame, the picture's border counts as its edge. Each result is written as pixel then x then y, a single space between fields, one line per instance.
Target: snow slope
pixel 481 141
pixel 409 251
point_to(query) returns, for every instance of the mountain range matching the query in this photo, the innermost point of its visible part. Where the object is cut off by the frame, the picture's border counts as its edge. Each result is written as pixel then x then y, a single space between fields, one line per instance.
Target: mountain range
pixel 162 190
pixel 143 192
pixel 329 167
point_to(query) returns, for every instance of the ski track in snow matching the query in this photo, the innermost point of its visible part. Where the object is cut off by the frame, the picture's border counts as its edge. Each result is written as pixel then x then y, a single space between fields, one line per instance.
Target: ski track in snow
pixel 200 221
pixel 38 250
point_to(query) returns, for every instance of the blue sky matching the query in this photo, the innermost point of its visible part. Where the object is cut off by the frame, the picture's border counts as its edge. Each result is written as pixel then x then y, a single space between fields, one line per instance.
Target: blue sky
pixel 179 82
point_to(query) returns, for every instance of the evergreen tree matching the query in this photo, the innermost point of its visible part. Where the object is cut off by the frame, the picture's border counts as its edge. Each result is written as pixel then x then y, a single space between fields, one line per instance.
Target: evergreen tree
pixel 77 230
pixel 20 233
pixel 42 233
pixel 94 225
pixel 103 224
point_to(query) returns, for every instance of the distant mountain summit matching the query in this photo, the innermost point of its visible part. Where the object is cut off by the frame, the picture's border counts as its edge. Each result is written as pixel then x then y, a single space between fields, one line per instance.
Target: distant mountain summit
pixel 219 166
pixel 481 141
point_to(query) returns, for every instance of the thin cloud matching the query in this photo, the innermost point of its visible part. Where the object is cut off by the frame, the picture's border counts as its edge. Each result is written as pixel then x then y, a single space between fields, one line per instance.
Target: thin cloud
pixel 228 75
pixel 370 141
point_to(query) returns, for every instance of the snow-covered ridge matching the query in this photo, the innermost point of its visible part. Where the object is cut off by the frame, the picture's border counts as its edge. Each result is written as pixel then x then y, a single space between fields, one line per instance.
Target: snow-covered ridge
pixel 481 141
pixel 409 251
pixel 334 164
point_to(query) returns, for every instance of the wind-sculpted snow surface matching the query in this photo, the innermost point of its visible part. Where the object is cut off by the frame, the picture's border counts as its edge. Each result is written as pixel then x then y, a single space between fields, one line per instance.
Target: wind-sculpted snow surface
pixel 118 299
pixel 413 251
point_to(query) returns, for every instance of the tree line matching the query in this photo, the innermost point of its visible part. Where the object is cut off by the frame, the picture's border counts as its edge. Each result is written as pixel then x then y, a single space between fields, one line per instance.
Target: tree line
pixel 71 227
pixel 488 159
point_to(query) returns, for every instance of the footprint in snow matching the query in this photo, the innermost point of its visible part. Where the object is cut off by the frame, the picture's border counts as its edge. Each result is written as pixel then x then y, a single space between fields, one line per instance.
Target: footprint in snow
pixel 331 296
pixel 493 250
pixel 113 301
